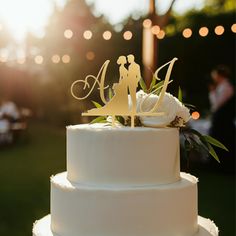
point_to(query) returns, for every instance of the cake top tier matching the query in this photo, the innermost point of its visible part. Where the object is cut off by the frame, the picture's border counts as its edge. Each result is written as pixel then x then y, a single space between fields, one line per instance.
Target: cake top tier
pixel 102 154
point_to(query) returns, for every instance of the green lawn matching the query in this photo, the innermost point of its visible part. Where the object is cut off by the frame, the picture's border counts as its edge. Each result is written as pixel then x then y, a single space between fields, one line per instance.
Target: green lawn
pixel 26 167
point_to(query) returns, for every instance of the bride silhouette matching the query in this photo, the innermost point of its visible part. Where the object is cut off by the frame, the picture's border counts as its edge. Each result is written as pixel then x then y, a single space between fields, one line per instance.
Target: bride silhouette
pixel 118 105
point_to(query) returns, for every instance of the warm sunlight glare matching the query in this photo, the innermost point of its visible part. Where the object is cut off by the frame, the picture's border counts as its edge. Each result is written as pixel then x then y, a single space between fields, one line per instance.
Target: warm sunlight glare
pixel 25 15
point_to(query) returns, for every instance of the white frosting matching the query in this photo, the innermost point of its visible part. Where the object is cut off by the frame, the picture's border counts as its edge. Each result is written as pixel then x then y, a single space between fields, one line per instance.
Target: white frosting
pixel 124 156
pixel 206 227
pixel 101 210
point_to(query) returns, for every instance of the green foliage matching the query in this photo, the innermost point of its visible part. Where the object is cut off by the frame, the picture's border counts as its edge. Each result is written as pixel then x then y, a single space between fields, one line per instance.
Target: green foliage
pixel 153 83
pixel 196 141
pixel 180 95
pixel 96 104
pixel 100 119
pixel 143 85
pixel 215 142
pixel 110 94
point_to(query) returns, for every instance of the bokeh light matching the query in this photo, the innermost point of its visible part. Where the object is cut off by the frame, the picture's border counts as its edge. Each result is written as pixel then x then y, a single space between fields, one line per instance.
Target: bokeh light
pixel 195 115
pixel 219 30
pixel 88 34
pixel 161 34
pixel 68 34
pixel 233 28
pixel 107 35
pixel 155 29
pixel 127 35
pixel 90 55
pixel 56 59
pixel 147 23
pixel 38 59
pixel 187 33
pixel 66 59
pixel 21 61
pixel 203 31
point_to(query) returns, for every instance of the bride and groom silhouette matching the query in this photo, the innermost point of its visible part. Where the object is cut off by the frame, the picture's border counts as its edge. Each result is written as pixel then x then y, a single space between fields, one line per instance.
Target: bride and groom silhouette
pixel 128 83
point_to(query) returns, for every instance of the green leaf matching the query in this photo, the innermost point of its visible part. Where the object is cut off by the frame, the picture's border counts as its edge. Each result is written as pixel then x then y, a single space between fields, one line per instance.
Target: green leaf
pixel 110 94
pixel 180 94
pixel 120 119
pixel 157 87
pixel 190 106
pixel 212 152
pixel 100 119
pixel 215 142
pixel 96 104
pixel 154 80
pixel 143 84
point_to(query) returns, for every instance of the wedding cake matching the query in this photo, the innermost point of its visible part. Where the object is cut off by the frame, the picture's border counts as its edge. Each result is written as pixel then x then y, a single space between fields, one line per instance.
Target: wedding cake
pixel 126 181
pixel 123 182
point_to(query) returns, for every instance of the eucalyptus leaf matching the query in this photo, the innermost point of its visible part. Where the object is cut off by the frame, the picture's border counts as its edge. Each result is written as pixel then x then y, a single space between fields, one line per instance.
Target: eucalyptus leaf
pixel 180 94
pixel 100 119
pixel 143 84
pixel 215 142
pixel 96 104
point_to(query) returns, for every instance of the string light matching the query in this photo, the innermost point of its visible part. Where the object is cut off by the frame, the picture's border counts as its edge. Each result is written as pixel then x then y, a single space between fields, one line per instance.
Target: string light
pixel 68 34
pixel 147 23
pixel 219 30
pixel 161 34
pixel 233 28
pixel 66 59
pixel 107 35
pixel 187 33
pixel 38 59
pixel 88 34
pixel 90 55
pixel 203 31
pixel 156 29
pixel 56 59
pixel 127 35
pixel 195 115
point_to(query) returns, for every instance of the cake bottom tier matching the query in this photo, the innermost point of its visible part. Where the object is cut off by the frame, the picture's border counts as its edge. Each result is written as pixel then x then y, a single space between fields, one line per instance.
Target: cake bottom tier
pixel 205 227
pixel 118 210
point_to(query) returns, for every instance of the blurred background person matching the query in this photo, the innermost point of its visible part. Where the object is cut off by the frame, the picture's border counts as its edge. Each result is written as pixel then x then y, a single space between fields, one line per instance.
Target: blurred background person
pixel 222 100
pixel 9 114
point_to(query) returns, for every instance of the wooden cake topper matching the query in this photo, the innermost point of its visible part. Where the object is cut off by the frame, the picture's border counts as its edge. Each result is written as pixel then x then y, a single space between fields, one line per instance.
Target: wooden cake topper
pixel 128 84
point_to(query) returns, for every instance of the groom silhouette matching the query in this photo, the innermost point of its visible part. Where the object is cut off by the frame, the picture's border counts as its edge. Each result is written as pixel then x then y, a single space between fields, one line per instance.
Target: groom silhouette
pixel 134 76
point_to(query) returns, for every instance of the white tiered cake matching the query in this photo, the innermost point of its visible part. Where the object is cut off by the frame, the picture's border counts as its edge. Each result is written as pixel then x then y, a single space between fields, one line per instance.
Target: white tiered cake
pixel 123 181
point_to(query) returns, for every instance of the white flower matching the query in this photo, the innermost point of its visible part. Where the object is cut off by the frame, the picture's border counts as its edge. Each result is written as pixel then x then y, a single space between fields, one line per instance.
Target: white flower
pixel 170 105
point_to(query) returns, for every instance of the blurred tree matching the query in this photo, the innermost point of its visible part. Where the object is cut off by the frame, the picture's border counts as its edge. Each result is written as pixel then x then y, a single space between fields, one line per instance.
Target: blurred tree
pixel 150 40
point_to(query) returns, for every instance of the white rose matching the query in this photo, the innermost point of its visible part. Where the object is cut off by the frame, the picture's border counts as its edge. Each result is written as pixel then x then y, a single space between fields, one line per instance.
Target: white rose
pixel 170 105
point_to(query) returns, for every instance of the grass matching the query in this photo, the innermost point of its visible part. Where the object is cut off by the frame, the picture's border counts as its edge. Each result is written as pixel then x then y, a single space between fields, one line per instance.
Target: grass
pixel 25 169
